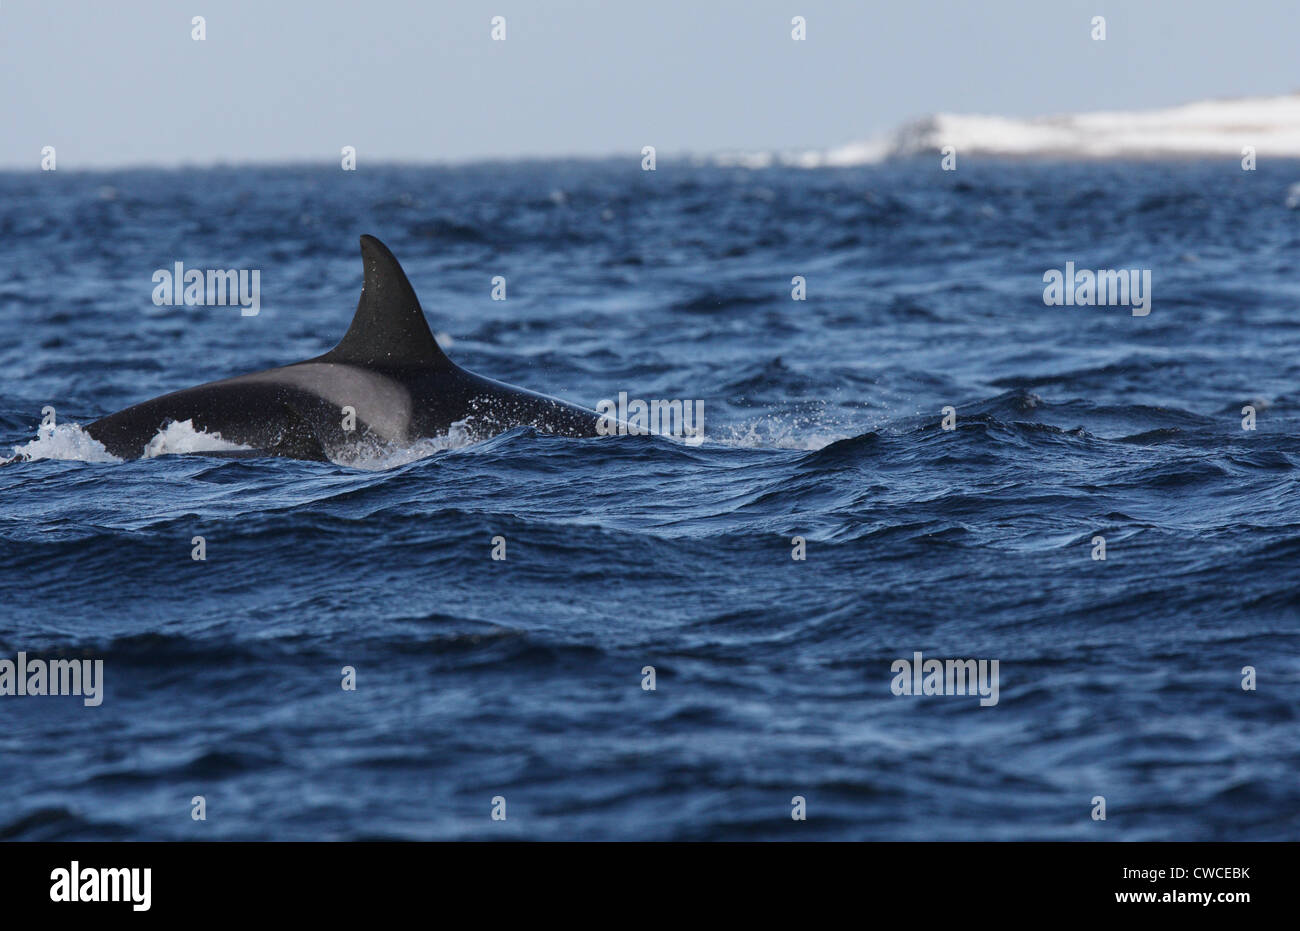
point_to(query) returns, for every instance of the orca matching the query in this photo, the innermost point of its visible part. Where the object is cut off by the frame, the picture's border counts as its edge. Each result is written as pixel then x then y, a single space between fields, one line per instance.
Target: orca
pixel 388 372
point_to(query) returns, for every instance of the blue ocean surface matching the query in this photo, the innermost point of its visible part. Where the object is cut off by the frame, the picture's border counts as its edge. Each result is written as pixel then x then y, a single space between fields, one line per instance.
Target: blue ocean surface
pixel 523 679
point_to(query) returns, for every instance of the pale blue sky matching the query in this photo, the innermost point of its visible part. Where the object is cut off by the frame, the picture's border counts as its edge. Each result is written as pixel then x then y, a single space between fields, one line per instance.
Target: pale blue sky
pixel 123 83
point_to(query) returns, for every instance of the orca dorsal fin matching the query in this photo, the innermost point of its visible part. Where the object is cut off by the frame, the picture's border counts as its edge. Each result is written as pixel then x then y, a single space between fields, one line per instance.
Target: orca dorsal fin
pixel 389 326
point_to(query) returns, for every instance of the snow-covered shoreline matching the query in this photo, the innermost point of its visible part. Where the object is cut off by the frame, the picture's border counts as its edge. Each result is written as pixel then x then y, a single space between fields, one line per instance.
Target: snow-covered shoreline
pixel 1271 125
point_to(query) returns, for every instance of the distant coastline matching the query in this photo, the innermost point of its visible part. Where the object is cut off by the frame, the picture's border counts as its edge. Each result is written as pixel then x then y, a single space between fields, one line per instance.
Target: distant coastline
pixel 1271 125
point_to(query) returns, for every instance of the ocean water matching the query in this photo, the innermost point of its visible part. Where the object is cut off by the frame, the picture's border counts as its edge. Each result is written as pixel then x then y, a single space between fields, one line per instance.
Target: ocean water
pixel 523 678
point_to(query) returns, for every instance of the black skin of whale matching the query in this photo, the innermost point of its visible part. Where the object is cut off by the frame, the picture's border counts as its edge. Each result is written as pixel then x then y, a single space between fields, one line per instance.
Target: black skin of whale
pixel 388 368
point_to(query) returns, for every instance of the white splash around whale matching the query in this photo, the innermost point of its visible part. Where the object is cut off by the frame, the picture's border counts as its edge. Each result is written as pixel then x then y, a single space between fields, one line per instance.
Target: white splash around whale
pixel 69 441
